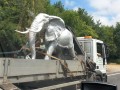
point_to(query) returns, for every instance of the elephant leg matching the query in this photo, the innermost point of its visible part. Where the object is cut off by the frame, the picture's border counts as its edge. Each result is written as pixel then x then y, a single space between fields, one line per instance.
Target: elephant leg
pixel 50 50
pixel 32 36
pixel 72 52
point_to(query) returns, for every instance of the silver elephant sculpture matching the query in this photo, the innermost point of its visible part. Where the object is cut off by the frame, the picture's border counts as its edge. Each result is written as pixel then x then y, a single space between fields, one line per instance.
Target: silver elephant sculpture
pixel 56 34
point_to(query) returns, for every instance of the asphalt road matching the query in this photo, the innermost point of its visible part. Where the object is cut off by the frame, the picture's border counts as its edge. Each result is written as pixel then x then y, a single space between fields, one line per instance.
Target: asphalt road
pixel 114 78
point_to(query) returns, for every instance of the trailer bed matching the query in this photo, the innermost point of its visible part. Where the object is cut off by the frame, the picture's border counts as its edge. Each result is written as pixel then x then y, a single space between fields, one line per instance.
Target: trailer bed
pixel 22 70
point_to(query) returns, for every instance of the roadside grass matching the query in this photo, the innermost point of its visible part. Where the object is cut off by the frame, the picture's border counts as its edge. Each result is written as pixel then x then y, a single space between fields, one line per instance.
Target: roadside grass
pixel 113 68
pixel 113 65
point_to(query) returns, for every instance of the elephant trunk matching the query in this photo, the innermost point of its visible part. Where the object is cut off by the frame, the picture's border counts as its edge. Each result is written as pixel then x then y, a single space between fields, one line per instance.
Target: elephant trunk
pixel 32 36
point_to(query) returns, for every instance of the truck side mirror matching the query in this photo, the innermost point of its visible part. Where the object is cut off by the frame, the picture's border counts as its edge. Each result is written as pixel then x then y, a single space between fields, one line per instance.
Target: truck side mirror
pixel 86 85
pixel 106 50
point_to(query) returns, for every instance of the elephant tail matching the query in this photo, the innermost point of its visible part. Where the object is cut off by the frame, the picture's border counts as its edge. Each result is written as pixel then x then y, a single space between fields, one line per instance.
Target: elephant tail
pixel 24 32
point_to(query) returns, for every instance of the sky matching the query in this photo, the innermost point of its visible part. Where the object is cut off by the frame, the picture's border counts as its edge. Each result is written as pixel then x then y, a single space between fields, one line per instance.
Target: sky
pixel 107 11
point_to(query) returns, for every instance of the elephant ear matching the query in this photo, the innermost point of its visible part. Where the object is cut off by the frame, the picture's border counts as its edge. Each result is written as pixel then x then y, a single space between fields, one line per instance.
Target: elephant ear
pixel 57 22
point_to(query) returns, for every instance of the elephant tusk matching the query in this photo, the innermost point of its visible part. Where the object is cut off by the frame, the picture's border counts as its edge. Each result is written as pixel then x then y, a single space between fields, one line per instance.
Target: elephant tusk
pixel 24 32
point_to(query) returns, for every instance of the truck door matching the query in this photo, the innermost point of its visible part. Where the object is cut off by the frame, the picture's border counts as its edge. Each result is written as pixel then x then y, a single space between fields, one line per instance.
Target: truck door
pixel 100 62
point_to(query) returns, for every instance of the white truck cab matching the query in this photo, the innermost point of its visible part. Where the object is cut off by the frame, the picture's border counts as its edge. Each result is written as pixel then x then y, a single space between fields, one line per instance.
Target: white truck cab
pixel 95 51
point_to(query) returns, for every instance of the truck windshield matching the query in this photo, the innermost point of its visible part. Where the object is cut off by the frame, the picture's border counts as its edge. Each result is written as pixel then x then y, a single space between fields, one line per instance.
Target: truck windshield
pixel 87 47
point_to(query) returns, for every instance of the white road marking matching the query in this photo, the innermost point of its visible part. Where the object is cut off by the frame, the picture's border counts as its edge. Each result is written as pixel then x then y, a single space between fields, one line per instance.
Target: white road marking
pixel 113 74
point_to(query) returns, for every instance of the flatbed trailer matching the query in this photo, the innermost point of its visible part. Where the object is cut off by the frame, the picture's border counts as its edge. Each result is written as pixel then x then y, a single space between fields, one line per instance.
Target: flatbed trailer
pixel 52 73
pixel 40 74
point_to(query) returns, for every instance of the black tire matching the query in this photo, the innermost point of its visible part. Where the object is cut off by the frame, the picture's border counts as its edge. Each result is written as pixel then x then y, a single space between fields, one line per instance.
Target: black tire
pixel 104 78
pixel 98 78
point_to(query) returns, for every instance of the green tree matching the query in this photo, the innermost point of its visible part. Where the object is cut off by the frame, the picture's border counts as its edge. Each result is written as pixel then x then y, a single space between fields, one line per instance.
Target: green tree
pixel 17 14
pixel 84 16
pixel 8 22
pixel 117 39
pixel 73 19
pixel 106 33
pixel 58 5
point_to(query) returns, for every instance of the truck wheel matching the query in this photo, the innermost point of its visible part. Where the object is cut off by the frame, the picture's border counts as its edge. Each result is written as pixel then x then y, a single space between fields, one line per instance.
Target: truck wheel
pixel 98 78
pixel 105 78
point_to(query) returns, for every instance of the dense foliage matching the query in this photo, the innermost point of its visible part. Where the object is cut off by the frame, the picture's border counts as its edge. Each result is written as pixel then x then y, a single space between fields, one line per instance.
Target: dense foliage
pixel 18 14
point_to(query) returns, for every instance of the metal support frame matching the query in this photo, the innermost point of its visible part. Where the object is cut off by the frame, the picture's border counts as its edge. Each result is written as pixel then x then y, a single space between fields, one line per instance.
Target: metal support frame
pixel 5 64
